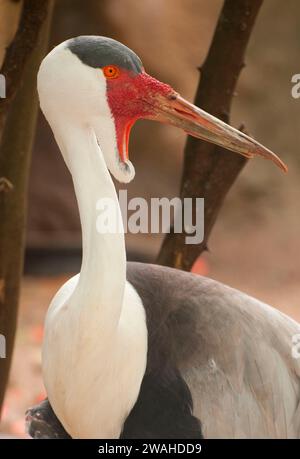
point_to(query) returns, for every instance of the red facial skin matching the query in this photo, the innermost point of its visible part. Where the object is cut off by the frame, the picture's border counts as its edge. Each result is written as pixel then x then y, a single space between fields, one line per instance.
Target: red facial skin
pixel 130 98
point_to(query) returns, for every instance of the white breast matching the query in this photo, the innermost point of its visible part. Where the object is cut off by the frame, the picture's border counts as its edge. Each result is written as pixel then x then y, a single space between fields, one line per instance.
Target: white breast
pixel 93 378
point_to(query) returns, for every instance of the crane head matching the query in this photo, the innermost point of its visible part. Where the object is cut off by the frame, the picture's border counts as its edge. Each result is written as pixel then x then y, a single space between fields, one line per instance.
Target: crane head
pixel 101 82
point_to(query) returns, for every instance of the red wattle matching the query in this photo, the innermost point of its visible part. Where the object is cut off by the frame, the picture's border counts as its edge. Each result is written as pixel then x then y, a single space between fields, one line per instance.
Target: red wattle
pixel 129 98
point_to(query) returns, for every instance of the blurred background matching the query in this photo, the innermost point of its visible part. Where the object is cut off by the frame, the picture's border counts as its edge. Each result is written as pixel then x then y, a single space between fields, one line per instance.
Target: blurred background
pixel 255 245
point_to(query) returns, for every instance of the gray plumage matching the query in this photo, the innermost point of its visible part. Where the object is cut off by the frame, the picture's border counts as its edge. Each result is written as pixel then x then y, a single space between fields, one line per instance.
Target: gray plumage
pixel 100 51
pixel 234 352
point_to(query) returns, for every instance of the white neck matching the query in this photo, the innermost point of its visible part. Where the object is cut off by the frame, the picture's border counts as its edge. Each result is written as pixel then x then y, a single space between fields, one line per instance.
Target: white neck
pixel 103 270
pixel 96 325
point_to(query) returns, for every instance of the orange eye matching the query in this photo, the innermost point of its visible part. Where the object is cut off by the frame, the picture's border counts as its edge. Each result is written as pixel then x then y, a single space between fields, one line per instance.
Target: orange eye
pixel 111 71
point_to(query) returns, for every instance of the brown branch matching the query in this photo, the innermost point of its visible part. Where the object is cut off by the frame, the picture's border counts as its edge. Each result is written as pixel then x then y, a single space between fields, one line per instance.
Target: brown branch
pixel 15 148
pixel 32 17
pixel 209 171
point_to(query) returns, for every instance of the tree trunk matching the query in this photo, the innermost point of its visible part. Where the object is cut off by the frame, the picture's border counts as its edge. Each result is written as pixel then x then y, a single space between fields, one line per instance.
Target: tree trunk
pixel 10 12
pixel 209 171
pixel 18 114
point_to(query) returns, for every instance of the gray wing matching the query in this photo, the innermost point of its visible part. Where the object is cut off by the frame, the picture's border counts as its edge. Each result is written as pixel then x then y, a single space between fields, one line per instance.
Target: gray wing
pixel 234 352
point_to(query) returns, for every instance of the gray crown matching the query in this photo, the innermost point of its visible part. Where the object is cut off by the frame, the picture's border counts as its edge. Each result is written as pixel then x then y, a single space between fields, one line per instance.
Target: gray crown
pixel 100 51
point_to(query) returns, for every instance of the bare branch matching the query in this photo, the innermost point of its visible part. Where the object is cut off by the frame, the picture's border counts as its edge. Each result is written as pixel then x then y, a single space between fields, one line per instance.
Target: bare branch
pixel 209 171
pixel 33 15
pixel 29 47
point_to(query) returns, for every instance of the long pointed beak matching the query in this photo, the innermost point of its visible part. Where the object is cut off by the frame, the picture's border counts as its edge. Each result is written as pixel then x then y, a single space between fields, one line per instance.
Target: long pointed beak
pixel 175 110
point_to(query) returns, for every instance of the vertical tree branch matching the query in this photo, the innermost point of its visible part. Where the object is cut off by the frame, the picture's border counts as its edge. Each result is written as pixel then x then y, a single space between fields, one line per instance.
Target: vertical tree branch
pixel 209 171
pixel 15 149
pixel 10 12
pixel 33 15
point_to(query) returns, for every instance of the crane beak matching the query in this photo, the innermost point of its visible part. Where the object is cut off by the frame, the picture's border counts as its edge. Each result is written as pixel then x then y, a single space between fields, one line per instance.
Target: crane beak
pixel 175 110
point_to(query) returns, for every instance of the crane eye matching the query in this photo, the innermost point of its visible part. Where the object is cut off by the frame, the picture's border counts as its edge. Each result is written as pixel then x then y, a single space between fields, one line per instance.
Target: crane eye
pixel 111 71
